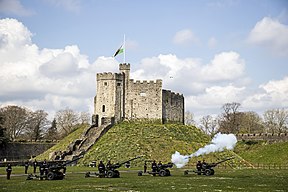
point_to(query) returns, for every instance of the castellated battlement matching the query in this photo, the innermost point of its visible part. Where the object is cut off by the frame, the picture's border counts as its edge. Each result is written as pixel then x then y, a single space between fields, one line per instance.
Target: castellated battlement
pixel 109 76
pixel 124 66
pixel 158 82
pixel 263 136
pixel 169 92
pixel 120 97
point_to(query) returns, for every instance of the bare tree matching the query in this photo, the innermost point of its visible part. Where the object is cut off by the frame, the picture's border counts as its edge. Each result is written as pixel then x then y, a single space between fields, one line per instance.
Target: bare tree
pixel 52 131
pixel 276 120
pixel 66 120
pixel 229 121
pixel 250 122
pixel 189 118
pixel 15 120
pixel 37 125
pixel 208 124
pixel 85 118
pixel 3 136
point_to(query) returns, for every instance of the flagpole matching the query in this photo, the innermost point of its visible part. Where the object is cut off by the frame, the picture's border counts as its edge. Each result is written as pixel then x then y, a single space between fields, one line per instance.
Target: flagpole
pixel 124 46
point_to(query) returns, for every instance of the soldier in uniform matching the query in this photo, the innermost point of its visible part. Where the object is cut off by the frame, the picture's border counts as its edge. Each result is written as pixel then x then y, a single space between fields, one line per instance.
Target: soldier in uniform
pixel 159 164
pixel 45 166
pixel 9 171
pixel 41 170
pixel 26 165
pixel 204 164
pixel 35 163
pixel 199 167
pixel 101 169
pixel 154 166
pixel 108 165
pixel 145 167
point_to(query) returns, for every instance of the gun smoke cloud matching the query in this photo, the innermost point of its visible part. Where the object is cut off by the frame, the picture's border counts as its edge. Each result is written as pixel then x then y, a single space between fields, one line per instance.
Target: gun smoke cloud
pixel 218 144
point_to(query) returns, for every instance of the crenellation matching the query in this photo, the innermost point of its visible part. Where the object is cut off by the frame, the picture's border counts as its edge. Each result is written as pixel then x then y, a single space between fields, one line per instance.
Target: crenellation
pixel 120 97
pixel 273 137
pixel 124 66
pixel 109 76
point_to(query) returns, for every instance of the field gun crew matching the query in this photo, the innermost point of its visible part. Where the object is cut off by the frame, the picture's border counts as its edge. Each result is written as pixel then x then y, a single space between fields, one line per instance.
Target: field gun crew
pixel 110 170
pixel 206 168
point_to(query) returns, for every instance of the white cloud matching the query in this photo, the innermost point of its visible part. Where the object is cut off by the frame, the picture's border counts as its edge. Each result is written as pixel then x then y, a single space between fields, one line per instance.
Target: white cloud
pixel 272 34
pixel 224 66
pixel 14 7
pixel 270 95
pixel 53 79
pixel 185 37
pixel 50 79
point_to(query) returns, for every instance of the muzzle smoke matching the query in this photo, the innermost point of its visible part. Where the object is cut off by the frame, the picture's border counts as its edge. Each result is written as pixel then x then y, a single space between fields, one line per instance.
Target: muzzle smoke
pixel 218 144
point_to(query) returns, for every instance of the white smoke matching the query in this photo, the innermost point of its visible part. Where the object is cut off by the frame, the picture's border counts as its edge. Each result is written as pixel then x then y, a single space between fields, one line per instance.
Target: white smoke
pixel 218 144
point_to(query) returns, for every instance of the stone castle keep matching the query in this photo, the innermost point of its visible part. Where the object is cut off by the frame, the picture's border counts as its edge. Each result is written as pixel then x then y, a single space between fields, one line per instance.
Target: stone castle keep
pixel 119 97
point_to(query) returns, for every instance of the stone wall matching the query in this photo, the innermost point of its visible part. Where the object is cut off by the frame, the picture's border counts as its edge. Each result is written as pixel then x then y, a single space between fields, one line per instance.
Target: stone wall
pixel 120 97
pixel 19 151
pixel 263 137
pixel 109 99
pixel 173 107
pixel 144 100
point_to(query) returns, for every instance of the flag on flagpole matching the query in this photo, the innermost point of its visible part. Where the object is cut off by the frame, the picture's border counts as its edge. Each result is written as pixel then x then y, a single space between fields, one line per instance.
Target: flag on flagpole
pixel 119 51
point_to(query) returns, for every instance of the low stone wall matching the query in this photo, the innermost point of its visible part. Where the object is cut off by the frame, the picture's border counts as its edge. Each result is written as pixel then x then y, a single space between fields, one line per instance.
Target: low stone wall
pixel 279 137
pixel 20 151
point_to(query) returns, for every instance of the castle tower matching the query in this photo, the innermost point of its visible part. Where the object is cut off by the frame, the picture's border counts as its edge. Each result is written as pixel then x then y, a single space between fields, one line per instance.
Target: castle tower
pixel 125 70
pixel 109 99
pixel 119 97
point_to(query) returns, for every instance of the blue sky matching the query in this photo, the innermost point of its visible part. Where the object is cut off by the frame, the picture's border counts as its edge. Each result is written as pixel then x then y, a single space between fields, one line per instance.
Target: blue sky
pixel 216 51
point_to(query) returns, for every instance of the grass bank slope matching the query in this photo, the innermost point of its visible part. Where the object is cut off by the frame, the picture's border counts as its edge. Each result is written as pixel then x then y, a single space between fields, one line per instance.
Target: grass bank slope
pixel 64 143
pixel 154 141
pixel 263 152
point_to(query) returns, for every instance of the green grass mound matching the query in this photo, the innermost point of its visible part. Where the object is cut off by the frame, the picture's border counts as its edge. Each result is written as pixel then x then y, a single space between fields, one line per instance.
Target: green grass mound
pixel 262 152
pixel 64 143
pixel 153 141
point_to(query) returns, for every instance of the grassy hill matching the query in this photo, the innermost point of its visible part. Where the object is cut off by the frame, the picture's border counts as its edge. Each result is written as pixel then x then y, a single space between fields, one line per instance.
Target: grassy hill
pixel 154 141
pixel 157 141
pixel 64 143
pixel 263 152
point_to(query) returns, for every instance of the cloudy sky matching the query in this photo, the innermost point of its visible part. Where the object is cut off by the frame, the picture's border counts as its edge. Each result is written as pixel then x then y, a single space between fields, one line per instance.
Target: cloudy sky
pixel 214 52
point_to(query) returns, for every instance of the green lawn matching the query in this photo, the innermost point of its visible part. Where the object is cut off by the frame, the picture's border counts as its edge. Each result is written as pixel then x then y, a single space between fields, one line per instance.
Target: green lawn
pixel 223 180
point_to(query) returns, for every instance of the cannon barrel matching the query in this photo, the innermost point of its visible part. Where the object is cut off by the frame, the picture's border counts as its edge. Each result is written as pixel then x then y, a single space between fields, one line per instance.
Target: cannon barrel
pixel 165 166
pixel 222 161
pixel 73 160
pixel 117 165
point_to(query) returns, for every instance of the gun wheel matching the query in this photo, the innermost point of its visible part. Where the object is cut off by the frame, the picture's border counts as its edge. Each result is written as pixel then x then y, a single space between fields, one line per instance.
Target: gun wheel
pixel 50 176
pixel 110 174
pixel 162 173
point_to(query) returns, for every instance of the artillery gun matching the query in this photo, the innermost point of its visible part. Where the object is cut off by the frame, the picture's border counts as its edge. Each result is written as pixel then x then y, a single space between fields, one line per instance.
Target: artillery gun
pixel 161 170
pixel 110 171
pixel 207 168
pixel 55 171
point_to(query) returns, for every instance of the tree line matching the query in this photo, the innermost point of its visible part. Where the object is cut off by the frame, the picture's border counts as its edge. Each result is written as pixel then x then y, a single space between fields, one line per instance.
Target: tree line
pixel 232 120
pixel 21 123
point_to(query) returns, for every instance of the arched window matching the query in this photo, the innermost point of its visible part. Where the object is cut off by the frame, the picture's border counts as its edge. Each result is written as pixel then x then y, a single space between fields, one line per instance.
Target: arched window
pixel 103 108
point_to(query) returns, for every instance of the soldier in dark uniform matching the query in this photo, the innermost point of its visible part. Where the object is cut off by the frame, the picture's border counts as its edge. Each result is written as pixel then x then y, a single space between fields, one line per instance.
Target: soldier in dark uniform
pixel 204 164
pixel 101 169
pixel 45 166
pixel 108 165
pixel 154 166
pixel 35 164
pixel 9 171
pixel 145 167
pixel 159 164
pixel 26 165
pixel 199 167
pixel 41 170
